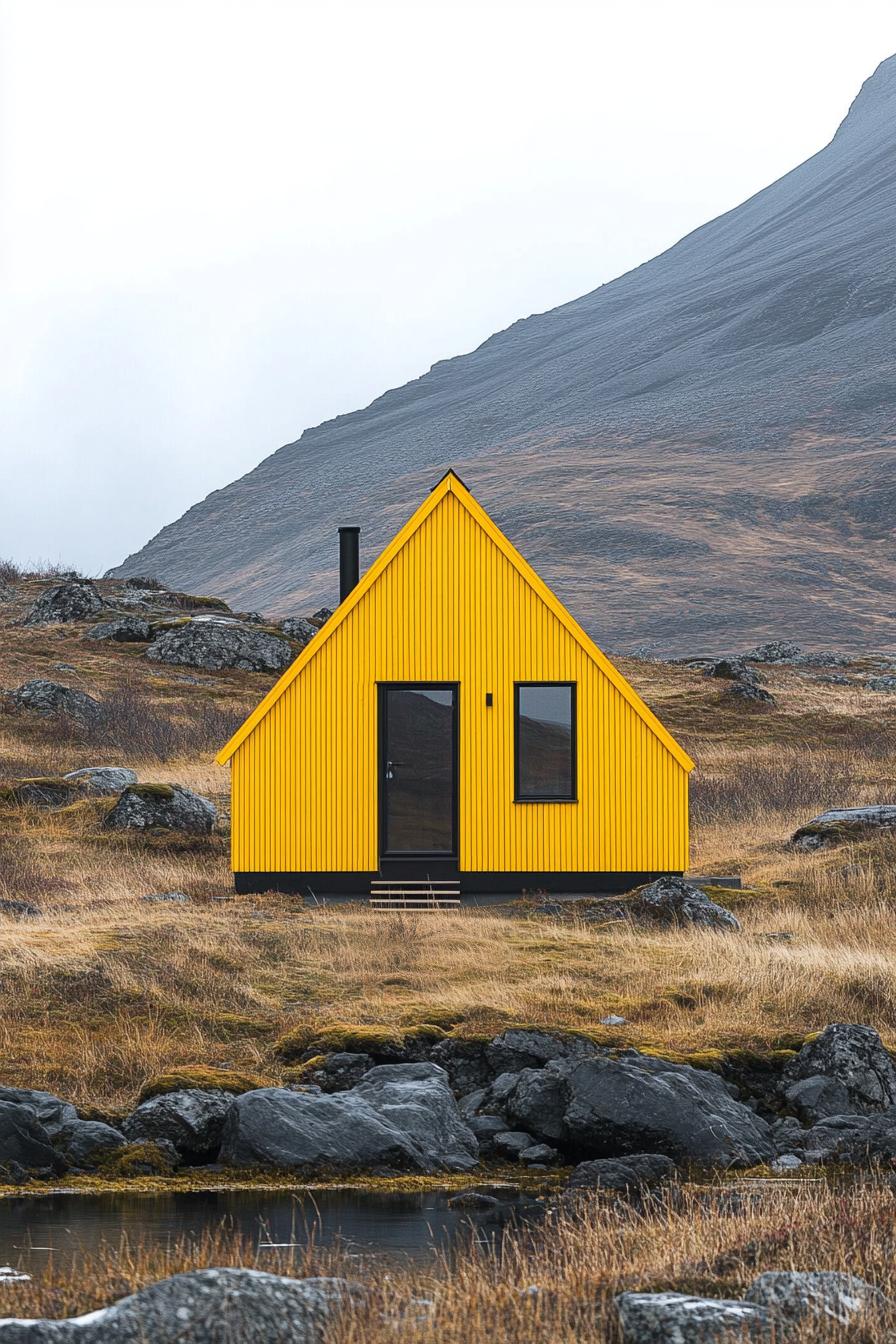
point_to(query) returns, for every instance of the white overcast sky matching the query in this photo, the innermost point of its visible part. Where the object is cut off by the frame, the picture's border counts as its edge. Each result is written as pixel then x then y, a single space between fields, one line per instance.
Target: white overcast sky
pixel 223 222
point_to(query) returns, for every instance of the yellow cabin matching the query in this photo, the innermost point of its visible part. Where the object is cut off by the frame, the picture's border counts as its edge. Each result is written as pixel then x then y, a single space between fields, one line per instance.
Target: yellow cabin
pixel 452 730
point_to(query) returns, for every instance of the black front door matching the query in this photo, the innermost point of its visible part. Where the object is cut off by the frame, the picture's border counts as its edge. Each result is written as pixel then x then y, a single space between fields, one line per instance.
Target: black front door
pixel 418 770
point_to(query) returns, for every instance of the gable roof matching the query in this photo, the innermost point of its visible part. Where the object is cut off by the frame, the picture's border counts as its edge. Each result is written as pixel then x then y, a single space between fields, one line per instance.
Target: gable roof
pixel 452 484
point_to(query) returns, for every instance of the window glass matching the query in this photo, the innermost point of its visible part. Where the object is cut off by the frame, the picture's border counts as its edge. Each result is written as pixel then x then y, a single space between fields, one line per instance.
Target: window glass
pixel 545 742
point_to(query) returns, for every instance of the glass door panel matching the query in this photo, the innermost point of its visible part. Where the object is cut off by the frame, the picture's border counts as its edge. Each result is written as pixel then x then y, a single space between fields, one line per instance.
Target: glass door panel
pixel 417 769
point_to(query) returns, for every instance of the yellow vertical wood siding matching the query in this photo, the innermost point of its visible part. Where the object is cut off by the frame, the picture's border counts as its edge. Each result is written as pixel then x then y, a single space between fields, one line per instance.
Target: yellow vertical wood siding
pixel 451 606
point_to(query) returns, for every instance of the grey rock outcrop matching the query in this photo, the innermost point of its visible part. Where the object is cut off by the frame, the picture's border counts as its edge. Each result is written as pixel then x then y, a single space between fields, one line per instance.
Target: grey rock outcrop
pixel 511 1142
pixel 539 1154
pixel 671 901
pixel 122 630
pixel 637 1104
pixel 634 1172
pixel 678 1318
pixel 885 683
pixel 24 1140
pixel 213 645
pixel 748 690
pixel 77 600
pixel 465 1063
pixel 340 1071
pixel 206 1306
pixel 144 807
pixel 45 793
pixel 192 1119
pixel 418 1099
pixel 50 698
pixel 85 1142
pixel 105 780
pixel 731 669
pixel 521 1048
pixel 778 1305
pixel 299 628
pixel 14 909
pixel 539 1098
pixel 844 1071
pixel 54 1114
pixel 400 1115
pixel 775 651
pixel 839 825
pixel 827 1297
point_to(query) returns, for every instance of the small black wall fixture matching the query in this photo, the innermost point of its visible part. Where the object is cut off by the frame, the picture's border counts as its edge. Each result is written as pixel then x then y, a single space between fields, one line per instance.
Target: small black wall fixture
pixel 349 569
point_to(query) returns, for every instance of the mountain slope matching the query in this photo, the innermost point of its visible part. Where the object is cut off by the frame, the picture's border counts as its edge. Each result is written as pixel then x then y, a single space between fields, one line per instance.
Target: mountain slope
pixel 700 452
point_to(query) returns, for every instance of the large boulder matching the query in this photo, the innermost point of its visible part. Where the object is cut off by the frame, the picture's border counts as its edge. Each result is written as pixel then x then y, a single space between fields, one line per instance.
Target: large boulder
pixel 213 645
pixel 778 1305
pixel 144 807
pixel 673 902
pixel 122 629
pixel 400 1115
pixel 205 1306
pixel 418 1099
pixel 605 1107
pixel 826 1297
pixel 76 600
pixel 843 1071
pixel 24 1142
pixel 54 1114
pixel 106 780
pixel 536 1101
pixel 840 825
pixel 85 1142
pixel 678 1318
pixel 51 698
pixel 191 1119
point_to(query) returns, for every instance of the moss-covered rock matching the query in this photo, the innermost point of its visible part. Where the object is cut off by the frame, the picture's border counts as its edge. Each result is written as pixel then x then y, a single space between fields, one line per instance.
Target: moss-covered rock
pixel 137 1159
pixel 389 1043
pixel 144 807
pixel 43 791
pixel 204 1076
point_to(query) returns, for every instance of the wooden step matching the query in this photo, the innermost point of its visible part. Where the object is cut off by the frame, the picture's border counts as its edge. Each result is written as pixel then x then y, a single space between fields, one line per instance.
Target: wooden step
pixel 421 883
pixel 414 894
pixel 412 906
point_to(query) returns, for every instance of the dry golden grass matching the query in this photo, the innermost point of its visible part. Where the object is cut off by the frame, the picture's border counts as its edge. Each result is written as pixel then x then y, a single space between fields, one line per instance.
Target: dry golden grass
pixel 557 1284
pixel 104 989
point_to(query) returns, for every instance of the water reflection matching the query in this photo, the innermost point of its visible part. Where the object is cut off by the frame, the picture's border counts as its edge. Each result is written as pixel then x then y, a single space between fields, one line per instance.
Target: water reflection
pixel 71 1227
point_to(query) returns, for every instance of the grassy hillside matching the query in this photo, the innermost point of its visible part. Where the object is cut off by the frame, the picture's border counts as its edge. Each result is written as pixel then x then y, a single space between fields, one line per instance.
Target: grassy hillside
pixel 104 989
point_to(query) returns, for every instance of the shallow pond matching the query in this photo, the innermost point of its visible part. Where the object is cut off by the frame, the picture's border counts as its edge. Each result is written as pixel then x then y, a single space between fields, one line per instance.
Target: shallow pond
pixel 63 1228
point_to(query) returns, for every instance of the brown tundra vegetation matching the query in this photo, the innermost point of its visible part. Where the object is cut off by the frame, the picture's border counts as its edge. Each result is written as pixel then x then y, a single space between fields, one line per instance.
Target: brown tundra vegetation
pixel 103 990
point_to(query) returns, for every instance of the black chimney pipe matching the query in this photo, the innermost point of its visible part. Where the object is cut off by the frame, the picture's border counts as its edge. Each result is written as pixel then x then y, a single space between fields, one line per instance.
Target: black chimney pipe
pixel 349 571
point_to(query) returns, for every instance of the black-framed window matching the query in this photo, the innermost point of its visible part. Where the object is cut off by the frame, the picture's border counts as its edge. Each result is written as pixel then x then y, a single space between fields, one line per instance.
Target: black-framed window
pixel 544 732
